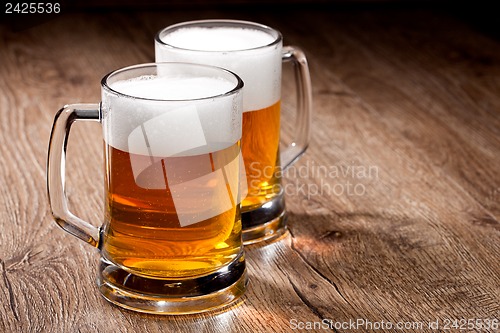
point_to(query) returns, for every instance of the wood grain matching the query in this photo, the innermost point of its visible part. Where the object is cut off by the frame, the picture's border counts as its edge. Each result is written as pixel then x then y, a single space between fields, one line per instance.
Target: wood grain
pixel 393 211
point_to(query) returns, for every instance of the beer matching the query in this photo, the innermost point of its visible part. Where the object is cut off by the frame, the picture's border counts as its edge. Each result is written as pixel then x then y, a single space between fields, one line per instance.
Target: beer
pixel 171 239
pixel 144 233
pixel 255 55
pixel 172 193
pixel 260 148
pixel 254 52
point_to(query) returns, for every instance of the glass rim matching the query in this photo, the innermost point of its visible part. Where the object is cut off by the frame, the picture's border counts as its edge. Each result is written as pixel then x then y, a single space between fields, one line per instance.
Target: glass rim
pixel 220 23
pixel 238 85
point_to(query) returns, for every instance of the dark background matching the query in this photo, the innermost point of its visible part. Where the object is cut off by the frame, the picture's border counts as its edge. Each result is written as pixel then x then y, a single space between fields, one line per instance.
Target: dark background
pixel 479 14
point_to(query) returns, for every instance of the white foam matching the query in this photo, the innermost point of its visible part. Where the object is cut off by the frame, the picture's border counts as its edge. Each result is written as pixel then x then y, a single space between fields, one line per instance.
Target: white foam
pixel 217 38
pixel 239 50
pixel 172 88
pixel 171 116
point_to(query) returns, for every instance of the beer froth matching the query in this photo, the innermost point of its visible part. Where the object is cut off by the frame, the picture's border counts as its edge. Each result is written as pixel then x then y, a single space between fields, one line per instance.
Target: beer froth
pixel 172 88
pixel 218 38
pixel 253 54
pixel 163 121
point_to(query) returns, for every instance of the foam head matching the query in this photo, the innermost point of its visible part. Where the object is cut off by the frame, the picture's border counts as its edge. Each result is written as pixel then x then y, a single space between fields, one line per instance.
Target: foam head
pixel 252 52
pixel 217 38
pixel 171 114
pixel 172 88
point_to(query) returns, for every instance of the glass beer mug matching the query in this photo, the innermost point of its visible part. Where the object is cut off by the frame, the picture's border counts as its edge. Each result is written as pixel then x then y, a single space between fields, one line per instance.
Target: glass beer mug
pixel 171 238
pixel 254 52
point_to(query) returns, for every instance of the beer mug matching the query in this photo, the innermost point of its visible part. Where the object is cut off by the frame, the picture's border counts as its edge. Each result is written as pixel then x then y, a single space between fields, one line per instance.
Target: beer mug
pixel 171 238
pixel 255 52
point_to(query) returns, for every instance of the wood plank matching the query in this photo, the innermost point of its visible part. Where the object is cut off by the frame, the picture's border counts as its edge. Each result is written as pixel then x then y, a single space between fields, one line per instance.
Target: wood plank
pixel 389 126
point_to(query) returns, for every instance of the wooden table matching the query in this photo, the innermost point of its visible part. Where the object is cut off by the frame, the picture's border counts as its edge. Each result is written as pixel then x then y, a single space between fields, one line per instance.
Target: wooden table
pixel 393 211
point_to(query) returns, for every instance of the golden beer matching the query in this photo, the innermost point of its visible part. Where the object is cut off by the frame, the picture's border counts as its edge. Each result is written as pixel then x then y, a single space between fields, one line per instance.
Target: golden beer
pixel 254 52
pixel 260 149
pixel 144 234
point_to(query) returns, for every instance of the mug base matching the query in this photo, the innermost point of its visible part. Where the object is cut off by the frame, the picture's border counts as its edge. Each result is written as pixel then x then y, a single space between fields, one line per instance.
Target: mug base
pixel 215 291
pixel 265 223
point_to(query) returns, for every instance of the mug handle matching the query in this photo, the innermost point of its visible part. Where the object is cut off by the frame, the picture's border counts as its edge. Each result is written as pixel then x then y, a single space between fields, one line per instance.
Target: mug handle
pixel 304 105
pixel 56 165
